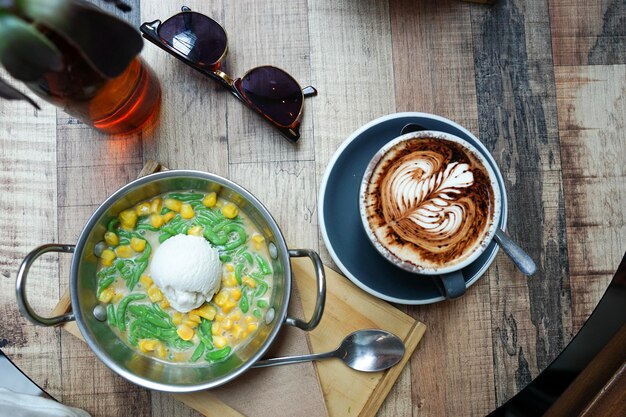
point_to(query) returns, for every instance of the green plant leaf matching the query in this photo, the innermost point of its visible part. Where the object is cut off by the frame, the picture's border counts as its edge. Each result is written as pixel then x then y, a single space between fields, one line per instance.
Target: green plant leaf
pixel 106 41
pixel 25 52
pixel 10 93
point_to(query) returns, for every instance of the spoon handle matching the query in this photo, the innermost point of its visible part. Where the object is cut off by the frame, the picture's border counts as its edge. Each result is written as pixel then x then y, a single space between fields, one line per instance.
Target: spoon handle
pixel 292 359
pixel 520 258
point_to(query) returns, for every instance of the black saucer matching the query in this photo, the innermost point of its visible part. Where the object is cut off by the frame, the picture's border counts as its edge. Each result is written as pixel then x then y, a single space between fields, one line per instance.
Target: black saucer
pixel 340 220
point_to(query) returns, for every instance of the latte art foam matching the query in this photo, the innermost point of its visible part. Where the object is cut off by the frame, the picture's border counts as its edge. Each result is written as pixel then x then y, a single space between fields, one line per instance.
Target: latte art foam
pixel 429 202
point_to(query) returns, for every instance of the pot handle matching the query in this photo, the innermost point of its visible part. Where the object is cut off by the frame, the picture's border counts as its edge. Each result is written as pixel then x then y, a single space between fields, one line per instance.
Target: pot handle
pixel 321 290
pixel 20 286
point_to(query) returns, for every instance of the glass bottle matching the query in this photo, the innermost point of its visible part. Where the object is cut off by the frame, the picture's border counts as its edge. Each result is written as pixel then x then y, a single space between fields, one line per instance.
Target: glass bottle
pixel 125 104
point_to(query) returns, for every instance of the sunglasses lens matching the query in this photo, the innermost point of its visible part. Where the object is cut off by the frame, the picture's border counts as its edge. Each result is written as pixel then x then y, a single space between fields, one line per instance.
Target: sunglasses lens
pixel 274 92
pixel 198 37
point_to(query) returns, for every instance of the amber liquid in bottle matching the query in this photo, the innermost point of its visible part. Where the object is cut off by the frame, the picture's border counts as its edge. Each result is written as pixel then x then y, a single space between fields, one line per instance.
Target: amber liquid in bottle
pixel 125 104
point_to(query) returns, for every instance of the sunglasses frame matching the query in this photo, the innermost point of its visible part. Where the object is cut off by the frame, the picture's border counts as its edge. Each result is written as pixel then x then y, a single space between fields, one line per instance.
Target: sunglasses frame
pixel 150 31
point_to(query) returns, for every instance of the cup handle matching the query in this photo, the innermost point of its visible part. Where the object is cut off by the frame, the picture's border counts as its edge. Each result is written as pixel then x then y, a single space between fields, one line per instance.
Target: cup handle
pixel 452 284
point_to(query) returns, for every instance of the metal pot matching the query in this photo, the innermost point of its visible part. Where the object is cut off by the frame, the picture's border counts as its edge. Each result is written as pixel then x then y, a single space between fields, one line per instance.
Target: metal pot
pixel 91 318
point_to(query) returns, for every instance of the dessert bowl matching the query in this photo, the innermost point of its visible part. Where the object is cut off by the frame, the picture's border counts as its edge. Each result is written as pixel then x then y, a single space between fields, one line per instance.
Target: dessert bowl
pixel 91 318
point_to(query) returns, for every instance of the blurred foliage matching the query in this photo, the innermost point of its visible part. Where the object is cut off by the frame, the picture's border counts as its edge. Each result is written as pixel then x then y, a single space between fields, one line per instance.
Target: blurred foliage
pixel 107 43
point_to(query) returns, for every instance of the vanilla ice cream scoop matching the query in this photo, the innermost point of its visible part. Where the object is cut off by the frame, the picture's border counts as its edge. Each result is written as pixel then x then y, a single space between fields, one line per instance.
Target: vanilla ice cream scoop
pixel 188 271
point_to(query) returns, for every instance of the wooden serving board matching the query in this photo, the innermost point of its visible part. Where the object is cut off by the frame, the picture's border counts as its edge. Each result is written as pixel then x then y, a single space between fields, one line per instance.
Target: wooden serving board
pixel 345 391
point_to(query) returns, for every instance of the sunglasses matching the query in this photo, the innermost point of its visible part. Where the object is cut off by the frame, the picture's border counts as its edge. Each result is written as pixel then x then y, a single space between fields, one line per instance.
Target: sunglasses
pixel 201 43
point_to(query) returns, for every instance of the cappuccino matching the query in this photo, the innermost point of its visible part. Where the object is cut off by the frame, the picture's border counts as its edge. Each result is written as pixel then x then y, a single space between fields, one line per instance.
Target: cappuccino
pixel 428 203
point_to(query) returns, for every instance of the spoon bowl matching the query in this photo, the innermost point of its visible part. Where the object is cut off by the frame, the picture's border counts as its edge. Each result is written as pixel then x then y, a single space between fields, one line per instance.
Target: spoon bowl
pixel 367 350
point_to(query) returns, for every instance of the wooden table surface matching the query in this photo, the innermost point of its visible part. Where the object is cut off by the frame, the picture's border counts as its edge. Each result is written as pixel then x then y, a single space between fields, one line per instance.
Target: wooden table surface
pixel 541 82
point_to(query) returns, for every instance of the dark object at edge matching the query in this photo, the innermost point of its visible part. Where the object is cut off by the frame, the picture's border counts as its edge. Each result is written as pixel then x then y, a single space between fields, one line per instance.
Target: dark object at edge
pixel 606 321
pixel 12 377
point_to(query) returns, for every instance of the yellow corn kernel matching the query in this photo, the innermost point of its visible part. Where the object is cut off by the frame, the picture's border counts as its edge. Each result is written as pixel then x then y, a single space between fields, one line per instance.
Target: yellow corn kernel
pixel 185 332
pixel 128 218
pixel 252 327
pixel 236 294
pixel 249 281
pixel 142 209
pixel 146 281
pixel 195 231
pixel 107 257
pixel 172 204
pixel 190 323
pixel 193 317
pixel 117 298
pixel 164 304
pixel 156 220
pixel 186 211
pixel 206 311
pixel 155 294
pixel 236 315
pixel 177 318
pixel 219 317
pixel 229 280
pixel 228 306
pixel 220 341
pixel 148 345
pixel 221 298
pixel 230 211
pixel 209 200
pixel 249 319
pixel 244 335
pixel 227 324
pixel 137 244
pixel 156 206
pixel 106 295
pixel 123 251
pixel 168 216
pixel 230 267
pixel 111 239
pixel 161 351
pixel 216 329
pixel 237 331
pixel 258 241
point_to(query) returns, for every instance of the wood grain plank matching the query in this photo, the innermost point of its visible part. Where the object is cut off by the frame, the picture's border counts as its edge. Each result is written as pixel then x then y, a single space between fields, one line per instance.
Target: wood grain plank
pixel 399 402
pixel 70 221
pixel 191 133
pixel 287 189
pixel 434 68
pixel 434 72
pixel 267 33
pixel 589 32
pixel 591 104
pixel 89 185
pixel 28 184
pixel 352 67
pixel 518 122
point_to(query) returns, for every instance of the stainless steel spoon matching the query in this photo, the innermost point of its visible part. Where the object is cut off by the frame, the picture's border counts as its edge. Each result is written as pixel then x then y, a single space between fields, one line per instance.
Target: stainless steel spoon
pixel 520 258
pixel 367 350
